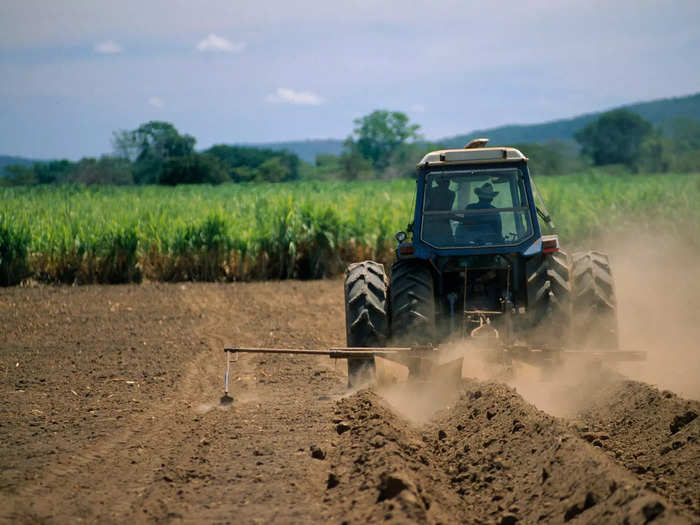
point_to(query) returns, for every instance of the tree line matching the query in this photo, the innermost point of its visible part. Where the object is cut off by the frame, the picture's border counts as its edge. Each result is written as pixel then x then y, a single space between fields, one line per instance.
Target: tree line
pixel 383 144
pixel 156 153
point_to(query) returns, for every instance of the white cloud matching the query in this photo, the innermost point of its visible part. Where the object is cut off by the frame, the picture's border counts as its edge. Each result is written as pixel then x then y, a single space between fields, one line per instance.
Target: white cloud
pixel 156 102
pixel 215 43
pixel 108 47
pixel 417 108
pixel 290 96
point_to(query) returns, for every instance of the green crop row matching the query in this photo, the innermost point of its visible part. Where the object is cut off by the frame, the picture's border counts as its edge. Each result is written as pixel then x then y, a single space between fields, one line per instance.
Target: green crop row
pixel 75 234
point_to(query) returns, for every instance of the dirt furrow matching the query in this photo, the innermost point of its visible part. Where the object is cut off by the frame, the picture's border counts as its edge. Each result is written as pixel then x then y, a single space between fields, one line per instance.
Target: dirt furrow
pixel 490 458
pixel 654 434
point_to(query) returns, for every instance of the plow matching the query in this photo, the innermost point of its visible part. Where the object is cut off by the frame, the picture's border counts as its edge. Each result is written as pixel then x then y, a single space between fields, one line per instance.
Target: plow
pixel 428 364
pixel 479 268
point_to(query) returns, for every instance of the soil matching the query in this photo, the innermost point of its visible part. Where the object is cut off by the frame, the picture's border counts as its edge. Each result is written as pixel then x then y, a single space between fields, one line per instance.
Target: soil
pixel 110 412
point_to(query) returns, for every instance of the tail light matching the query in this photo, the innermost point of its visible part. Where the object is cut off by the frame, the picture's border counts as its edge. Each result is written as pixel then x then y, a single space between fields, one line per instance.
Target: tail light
pixel 550 243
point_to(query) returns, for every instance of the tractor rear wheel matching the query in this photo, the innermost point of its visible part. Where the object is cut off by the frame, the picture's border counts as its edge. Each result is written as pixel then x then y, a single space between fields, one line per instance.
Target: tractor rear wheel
pixel 412 303
pixel 594 307
pixel 366 322
pixel 549 295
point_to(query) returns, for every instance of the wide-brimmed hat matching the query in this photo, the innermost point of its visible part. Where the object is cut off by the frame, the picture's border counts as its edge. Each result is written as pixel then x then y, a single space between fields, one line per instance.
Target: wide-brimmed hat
pixel 486 191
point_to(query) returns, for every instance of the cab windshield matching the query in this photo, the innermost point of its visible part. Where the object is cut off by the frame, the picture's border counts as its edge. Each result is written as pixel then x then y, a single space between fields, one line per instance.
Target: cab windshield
pixel 475 208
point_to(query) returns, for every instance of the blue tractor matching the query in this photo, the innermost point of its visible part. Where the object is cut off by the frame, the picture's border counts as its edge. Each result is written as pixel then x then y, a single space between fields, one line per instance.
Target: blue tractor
pixel 476 262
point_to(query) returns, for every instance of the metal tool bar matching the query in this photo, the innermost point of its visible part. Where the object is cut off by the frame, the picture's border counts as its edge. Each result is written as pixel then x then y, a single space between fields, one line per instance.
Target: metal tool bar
pixel 334 350
pixel 299 351
pixel 613 355
pixel 400 354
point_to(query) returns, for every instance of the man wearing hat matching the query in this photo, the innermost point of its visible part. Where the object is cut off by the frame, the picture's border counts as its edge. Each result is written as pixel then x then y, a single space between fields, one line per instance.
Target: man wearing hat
pixel 487 226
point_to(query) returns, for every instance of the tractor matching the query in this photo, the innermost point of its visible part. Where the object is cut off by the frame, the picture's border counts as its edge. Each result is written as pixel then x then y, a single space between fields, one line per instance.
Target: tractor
pixel 476 262
pixel 475 265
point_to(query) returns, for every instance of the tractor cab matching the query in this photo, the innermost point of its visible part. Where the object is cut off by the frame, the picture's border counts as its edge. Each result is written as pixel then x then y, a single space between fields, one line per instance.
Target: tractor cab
pixel 475 208
pixel 473 201
pixel 476 231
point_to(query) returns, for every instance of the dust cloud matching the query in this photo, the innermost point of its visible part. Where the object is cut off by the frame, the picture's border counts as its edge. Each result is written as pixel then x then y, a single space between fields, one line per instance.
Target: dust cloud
pixel 657 280
pixel 419 399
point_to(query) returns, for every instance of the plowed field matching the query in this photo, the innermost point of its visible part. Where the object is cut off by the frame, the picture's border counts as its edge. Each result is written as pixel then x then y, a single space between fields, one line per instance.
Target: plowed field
pixel 110 413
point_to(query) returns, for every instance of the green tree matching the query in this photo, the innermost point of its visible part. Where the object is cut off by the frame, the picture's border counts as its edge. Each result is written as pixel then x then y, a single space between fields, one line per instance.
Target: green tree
pixel 245 163
pixel 378 135
pixel 53 171
pixel 353 164
pixel 150 147
pixel 19 175
pixel 685 140
pixel 272 170
pixel 243 174
pixel 105 170
pixel 685 133
pixel 614 138
pixel 655 154
pixel 403 160
pixel 327 166
pixel 196 168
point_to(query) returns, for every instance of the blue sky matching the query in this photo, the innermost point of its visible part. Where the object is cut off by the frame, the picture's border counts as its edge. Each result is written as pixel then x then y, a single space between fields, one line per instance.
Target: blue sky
pixel 73 71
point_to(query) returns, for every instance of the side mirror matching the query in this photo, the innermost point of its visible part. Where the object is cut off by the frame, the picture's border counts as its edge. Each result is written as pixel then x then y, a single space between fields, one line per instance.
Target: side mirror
pixel 401 236
pixel 409 228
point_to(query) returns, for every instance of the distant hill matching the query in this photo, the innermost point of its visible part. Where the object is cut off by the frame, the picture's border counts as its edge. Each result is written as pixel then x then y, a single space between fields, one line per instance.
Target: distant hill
pixel 306 149
pixel 658 112
pixel 7 160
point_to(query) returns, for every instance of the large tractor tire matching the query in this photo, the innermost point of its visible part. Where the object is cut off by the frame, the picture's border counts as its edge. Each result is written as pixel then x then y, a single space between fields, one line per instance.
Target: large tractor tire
pixel 594 307
pixel 549 298
pixel 412 304
pixel 366 320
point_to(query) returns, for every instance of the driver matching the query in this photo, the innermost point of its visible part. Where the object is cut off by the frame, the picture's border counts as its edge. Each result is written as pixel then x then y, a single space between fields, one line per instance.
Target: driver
pixel 484 226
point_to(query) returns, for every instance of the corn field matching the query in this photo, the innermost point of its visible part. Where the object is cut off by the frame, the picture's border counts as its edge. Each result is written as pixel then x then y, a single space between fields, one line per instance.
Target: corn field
pixel 76 234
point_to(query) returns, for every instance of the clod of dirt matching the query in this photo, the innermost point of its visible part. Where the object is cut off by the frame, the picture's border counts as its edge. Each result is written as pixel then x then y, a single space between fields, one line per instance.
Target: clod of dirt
pixel 377 441
pixel 342 427
pixel 332 481
pixel 317 452
pixel 577 508
pixel 391 486
pixel 680 421
pixel 652 511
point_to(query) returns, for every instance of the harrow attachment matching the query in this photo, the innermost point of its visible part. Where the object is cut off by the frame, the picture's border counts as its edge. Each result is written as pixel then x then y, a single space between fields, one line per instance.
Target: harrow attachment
pixel 429 363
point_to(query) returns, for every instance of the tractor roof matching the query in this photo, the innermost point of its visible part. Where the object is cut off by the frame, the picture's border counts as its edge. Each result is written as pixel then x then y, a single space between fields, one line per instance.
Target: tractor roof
pixel 472 155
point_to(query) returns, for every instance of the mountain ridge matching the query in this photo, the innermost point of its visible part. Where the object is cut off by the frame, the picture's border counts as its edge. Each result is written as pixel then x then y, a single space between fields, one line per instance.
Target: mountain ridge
pixel 657 111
